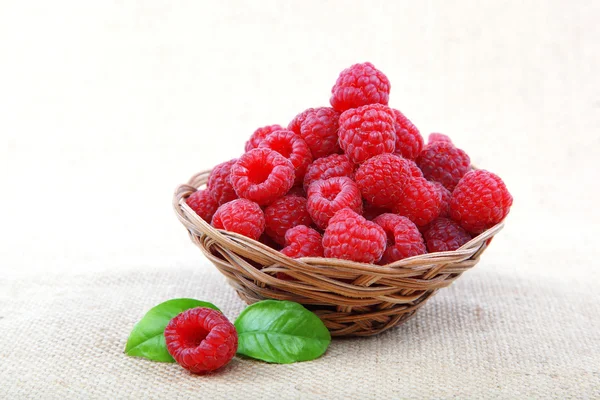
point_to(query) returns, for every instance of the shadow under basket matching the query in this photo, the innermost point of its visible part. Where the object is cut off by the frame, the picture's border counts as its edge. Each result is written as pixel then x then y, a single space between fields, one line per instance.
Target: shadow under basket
pixel 352 299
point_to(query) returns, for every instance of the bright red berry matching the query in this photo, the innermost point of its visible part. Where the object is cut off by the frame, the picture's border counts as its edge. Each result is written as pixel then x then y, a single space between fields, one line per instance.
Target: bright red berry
pixel 240 216
pixel 319 129
pixel 480 201
pixel 262 175
pixel 359 85
pixel 328 167
pixel 203 204
pixel 443 163
pixel 444 234
pixel 350 236
pixel 446 196
pixel 403 238
pixel 409 141
pixel 284 214
pixel 438 137
pixel 367 131
pixel 326 197
pixel 292 147
pixel 381 179
pixel 260 134
pixel 421 202
pixel 414 169
pixel 219 183
pixel 302 241
pixel 201 340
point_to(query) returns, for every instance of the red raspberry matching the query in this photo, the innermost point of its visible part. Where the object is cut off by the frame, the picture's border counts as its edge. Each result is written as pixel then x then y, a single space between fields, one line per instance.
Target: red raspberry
pixel 262 175
pixel 366 132
pixel 444 163
pixel 403 238
pixel 350 236
pixel 240 216
pixel 438 137
pixel 201 340
pixel 283 214
pixel 359 85
pixel 259 135
pixel 409 141
pixel 219 183
pixel 381 179
pixel 319 129
pixel 328 167
pixel 302 241
pixel 370 212
pixel 326 197
pixel 292 147
pixel 446 196
pixel 480 201
pixel 414 169
pixel 203 204
pixel 444 234
pixel 421 202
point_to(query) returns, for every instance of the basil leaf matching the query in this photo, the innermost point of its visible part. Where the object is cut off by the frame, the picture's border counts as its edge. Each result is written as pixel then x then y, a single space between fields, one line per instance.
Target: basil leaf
pixel 281 332
pixel 147 338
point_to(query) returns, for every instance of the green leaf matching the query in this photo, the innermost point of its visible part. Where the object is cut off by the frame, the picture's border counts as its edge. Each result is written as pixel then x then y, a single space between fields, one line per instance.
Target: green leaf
pixel 281 332
pixel 147 338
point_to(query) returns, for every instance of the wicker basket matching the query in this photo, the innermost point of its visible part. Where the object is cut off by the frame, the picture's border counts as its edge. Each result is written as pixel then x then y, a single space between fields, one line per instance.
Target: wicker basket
pixel 352 299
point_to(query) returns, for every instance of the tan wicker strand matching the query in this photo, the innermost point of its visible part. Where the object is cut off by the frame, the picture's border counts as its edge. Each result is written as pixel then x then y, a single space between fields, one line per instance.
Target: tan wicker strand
pixel 352 299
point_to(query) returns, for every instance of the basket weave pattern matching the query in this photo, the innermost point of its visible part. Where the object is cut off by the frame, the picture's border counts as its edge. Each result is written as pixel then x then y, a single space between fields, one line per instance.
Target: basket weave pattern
pixel 352 299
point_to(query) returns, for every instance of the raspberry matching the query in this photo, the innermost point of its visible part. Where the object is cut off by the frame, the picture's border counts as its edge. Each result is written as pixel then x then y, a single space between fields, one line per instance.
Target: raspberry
pixel 292 147
pixel 421 202
pixel 262 175
pixel 328 167
pixel 259 135
pixel 409 141
pixel 203 204
pixel 446 196
pixel 240 216
pixel 444 163
pixel 414 169
pixel 366 132
pixel 381 179
pixel 480 201
pixel 319 129
pixel 403 238
pixel 438 137
pixel 326 197
pixel 296 191
pixel 370 212
pixel 444 234
pixel 302 241
pixel 219 183
pixel 283 214
pixel 359 85
pixel 350 236
pixel 201 340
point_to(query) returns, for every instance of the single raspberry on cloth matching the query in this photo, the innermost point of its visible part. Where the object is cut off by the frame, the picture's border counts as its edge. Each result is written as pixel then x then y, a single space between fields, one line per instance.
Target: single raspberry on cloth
pixel 240 216
pixel 350 236
pixel 444 234
pixel 302 241
pixel 292 147
pixel 260 134
pixel 444 163
pixel 326 197
pixel 359 85
pixel 421 202
pixel 480 201
pixel 367 131
pixel 201 340
pixel 381 179
pixel 203 203
pixel 328 167
pixel 262 175
pixel 284 214
pixel 219 183
pixel 409 141
pixel 319 129
pixel 403 238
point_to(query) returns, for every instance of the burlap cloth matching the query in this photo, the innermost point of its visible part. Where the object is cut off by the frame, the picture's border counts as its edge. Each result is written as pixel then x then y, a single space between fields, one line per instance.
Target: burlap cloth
pixel 106 106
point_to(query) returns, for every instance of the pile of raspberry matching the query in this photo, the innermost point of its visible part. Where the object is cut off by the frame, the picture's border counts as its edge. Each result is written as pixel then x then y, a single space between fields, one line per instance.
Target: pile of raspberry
pixel 353 181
